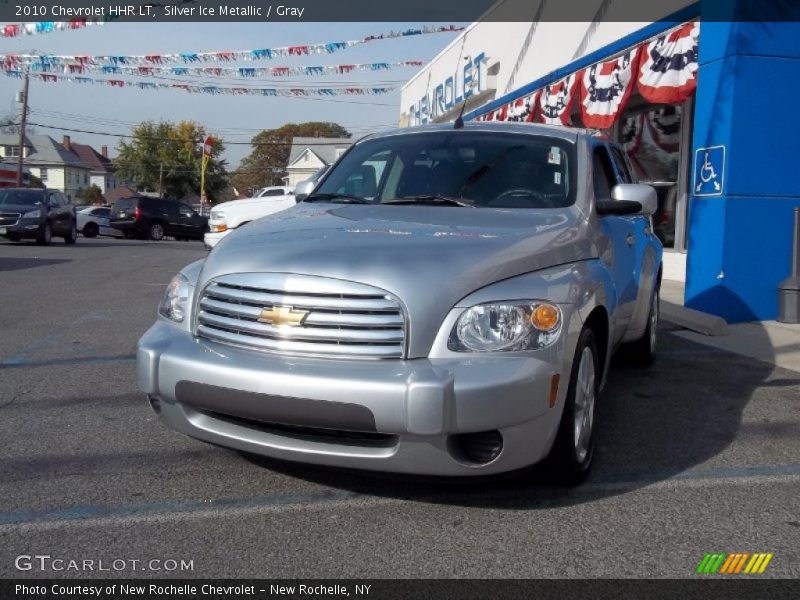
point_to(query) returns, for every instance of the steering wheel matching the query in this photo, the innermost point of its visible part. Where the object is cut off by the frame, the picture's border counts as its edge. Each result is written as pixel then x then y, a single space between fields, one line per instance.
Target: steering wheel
pixel 542 200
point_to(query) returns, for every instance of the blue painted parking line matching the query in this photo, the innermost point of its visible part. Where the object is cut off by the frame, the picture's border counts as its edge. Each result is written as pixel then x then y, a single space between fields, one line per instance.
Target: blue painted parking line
pixel 19 362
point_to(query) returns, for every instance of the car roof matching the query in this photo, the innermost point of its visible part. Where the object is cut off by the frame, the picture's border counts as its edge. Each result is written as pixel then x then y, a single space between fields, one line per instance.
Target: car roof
pixel 565 133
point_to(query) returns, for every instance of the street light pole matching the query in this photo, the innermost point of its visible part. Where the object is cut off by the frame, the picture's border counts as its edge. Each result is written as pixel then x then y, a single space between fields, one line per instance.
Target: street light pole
pixel 22 123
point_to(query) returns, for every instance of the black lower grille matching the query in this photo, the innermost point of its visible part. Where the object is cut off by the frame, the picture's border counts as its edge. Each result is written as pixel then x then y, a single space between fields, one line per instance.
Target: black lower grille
pixel 481 447
pixel 312 434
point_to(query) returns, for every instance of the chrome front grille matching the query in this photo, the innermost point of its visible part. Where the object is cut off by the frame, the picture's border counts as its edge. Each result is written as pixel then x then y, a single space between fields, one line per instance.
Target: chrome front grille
pixel 301 315
pixel 8 219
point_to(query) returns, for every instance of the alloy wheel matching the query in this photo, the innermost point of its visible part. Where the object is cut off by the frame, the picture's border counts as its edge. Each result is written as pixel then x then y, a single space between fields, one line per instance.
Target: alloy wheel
pixel 585 395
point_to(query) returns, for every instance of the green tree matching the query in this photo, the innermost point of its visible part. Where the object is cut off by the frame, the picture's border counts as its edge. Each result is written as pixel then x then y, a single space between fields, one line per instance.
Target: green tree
pixel 35 182
pixel 168 157
pixel 266 164
pixel 90 195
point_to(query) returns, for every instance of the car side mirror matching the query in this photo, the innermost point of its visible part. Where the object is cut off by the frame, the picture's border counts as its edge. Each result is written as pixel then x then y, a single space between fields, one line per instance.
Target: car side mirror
pixel 629 199
pixel 303 189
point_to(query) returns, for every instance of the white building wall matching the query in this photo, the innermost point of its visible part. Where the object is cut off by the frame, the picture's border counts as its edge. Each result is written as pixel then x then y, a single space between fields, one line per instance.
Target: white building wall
pixel 517 53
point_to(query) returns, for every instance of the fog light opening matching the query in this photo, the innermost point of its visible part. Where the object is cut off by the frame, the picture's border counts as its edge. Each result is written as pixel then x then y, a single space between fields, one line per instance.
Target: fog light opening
pixel 155 404
pixel 477 448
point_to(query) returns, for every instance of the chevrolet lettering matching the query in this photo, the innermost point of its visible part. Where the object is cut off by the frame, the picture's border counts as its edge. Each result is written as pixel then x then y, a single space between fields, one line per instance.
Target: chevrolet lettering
pixel 444 300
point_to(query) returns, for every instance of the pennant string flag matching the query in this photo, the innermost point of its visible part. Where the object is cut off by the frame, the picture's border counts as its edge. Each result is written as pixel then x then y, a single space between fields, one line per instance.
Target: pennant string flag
pixel 13 30
pixel 210 89
pixel 86 67
pixel 12 61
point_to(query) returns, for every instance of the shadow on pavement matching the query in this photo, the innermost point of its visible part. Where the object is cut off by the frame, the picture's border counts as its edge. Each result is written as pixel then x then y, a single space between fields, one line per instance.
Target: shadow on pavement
pixel 19 264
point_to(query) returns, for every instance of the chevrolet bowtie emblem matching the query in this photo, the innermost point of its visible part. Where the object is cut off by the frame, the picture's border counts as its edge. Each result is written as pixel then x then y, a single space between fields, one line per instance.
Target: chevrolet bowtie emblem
pixel 282 315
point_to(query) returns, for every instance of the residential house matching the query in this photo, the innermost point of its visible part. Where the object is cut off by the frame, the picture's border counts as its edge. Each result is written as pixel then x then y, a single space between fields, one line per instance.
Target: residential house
pixel 103 173
pixel 57 165
pixel 309 154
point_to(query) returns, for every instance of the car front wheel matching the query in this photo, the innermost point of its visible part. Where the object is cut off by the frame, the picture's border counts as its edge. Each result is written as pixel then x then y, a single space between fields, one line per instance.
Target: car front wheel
pixel 45 235
pixel 573 449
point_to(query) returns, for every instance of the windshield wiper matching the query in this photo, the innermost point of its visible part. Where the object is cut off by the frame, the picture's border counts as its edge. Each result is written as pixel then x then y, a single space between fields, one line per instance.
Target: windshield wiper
pixel 435 199
pixel 343 198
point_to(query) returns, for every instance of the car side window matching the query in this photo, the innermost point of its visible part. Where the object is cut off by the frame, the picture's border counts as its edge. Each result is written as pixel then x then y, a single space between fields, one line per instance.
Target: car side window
pixel 170 209
pixel 622 165
pixel 53 198
pixel 603 174
pixel 185 210
pixel 62 200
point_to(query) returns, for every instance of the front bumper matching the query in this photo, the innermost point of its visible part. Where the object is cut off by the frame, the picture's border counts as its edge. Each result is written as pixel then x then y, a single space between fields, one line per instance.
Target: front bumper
pixel 23 228
pixel 228 396
pixel 211 239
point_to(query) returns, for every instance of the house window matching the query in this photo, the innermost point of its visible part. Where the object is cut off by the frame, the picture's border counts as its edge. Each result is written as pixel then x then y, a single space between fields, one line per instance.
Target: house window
pixel 86 179
pixel 12 151
pixel 43 173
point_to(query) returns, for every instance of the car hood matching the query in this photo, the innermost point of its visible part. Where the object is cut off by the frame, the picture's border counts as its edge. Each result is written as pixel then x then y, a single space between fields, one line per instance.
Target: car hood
pixel 429 257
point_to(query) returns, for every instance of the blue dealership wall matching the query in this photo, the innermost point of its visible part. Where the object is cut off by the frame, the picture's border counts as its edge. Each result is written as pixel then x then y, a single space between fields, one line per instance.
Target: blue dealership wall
pixel 748 100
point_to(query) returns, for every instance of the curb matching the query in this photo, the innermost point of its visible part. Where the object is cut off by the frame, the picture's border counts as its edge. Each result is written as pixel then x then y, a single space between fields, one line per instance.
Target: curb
pixel 693 320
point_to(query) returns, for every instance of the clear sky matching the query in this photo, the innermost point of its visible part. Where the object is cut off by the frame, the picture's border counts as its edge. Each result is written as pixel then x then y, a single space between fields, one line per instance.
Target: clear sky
pixel 236 118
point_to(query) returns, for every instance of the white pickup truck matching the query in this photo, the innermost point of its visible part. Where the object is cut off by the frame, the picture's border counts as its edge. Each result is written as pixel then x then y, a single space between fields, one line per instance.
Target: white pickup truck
pixel 230 215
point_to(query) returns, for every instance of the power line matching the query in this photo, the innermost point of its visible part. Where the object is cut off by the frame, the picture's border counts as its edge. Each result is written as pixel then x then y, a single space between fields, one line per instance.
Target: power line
pixel 145 137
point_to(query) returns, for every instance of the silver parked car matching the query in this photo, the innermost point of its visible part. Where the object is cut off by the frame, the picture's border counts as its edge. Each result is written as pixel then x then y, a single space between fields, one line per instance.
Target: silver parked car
pixel 445 301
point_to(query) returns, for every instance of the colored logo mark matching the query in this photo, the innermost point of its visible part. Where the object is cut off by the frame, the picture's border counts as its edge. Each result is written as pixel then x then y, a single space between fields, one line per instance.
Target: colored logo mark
pixel 734 563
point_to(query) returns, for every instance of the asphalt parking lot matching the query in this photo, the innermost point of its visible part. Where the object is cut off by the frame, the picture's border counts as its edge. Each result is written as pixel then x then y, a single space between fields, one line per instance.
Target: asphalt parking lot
pixel 698 454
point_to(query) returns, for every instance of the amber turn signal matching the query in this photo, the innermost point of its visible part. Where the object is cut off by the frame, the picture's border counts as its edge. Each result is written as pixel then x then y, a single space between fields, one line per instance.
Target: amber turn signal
pixel 219 228
pixel 544 317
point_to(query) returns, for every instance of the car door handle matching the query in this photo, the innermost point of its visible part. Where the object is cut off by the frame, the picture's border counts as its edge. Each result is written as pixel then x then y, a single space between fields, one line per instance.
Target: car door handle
pixel 630 239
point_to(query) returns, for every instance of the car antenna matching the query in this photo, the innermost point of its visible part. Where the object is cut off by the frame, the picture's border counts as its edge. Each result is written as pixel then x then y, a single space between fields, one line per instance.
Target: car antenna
pixel 459 123
pixel 460 119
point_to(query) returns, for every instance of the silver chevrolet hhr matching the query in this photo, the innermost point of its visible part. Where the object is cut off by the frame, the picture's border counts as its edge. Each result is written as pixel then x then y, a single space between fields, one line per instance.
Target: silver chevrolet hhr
pixel 444 301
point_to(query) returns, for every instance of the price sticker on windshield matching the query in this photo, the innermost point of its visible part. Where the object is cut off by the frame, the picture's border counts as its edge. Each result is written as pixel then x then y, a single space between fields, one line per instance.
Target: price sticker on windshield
pixel 554 156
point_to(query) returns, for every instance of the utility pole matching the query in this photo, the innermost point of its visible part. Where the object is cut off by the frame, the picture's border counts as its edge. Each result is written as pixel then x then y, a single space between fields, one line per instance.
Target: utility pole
pixel 22 123
pixel 161 179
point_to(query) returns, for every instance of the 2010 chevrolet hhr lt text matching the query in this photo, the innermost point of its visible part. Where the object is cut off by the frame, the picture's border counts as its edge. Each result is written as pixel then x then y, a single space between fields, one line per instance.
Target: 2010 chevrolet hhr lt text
pixel 445 300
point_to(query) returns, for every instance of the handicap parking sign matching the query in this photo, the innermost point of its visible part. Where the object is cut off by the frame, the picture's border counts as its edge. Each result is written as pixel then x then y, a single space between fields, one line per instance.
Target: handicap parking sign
pixel 709 171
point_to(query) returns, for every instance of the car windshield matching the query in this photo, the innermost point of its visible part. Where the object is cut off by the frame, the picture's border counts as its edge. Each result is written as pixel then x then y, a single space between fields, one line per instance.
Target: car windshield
pixel 21 197
pixel 457 169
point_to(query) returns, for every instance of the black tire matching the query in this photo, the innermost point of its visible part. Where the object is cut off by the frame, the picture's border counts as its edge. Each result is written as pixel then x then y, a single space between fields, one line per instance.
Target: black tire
pixel 155 231
pixel 45 235
pixel 72 235
pixel 90 230
pixel 642 352
pixel 570 459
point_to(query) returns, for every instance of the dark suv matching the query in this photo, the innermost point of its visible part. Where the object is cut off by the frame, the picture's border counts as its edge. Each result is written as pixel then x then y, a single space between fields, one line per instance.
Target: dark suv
pixel 153 218
pixel 29 213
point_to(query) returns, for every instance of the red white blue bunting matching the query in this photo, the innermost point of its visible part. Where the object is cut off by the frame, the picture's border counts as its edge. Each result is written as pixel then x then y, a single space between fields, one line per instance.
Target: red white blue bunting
pixel 555 101
pixel 663 69
pixel 668 70
pixel 605 88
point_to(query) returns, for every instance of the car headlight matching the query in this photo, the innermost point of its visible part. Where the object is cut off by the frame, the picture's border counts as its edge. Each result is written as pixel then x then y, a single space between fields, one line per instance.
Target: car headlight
pixel 176 299
pixel 506 326
pixel 217 215
pixel 34 214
